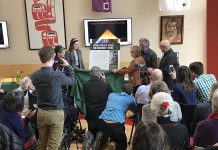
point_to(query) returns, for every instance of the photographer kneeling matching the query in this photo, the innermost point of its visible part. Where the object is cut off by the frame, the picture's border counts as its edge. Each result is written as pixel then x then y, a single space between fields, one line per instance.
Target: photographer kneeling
pixel 112 119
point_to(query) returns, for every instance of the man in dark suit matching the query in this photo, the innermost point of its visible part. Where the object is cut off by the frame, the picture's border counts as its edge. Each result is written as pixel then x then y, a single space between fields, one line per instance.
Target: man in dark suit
pixel 96 91
pixel 169 58
pixel 148 54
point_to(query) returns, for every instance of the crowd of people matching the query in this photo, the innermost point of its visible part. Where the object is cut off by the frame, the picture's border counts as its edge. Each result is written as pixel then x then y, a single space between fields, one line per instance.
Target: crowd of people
pixel 171 106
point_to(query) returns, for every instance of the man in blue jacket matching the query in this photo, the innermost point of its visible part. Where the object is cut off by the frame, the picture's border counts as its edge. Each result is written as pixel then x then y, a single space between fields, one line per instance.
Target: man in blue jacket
pixel 48 84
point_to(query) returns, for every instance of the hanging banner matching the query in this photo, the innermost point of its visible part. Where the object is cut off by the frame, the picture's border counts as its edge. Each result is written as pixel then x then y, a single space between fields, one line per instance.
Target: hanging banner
pixel 102 5
pixel 174 5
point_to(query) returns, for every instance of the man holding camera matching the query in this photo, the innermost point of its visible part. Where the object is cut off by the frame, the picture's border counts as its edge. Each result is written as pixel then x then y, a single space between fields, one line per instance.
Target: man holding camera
pixel 96 91
pixel 48 84
pixel 59 66
pixel 169 58
pixel 58 63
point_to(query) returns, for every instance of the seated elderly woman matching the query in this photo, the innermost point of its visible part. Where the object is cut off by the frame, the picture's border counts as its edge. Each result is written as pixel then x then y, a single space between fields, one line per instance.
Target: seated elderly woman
pixel 30 102
pixel 150 136
pixel 163 105
pixel 206 132
pixel 160 86
pixel 30 97
pixel 2 92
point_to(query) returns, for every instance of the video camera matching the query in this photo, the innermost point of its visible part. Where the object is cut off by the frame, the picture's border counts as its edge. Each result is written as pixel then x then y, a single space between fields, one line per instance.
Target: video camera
pixel 140 67
pixel 144 74
pixel 60 61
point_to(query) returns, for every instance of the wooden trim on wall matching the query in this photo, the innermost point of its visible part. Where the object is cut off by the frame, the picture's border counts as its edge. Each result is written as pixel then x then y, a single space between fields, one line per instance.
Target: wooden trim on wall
pixel 9 71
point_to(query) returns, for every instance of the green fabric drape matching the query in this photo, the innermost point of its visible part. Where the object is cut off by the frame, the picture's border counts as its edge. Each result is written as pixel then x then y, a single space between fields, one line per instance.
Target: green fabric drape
pixel 83 75
pixel 8 86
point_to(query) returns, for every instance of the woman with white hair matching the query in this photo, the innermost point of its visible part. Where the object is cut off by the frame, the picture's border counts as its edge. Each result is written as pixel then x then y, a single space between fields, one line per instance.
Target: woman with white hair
pixel 30 102
pixel 27 87
pixel 160 86
pixel 2 92
pixel 163 106
pixel 206 132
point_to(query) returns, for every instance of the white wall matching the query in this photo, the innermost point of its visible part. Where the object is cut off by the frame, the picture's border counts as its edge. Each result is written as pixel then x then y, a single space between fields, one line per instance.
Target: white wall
pixel 146 23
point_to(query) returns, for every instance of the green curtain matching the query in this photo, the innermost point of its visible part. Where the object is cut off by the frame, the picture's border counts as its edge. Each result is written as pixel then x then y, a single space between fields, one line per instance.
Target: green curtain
pixel 83 75
pixel 8 86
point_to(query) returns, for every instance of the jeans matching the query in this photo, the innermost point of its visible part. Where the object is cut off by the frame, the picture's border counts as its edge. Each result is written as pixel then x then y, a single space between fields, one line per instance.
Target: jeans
pixel 50 125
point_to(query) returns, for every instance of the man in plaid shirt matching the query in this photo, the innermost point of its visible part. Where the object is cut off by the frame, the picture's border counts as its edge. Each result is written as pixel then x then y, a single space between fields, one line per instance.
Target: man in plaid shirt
pixel 202 81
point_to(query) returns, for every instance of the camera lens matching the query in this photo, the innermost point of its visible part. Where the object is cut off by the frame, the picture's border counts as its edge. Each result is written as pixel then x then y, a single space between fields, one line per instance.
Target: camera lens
pixel 60 61
pixel 171 68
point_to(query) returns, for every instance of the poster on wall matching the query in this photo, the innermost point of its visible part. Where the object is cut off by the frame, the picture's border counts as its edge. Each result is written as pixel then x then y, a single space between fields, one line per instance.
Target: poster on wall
pixel 102 61
pixel 104 53
pixel 4 43
pixel 45 23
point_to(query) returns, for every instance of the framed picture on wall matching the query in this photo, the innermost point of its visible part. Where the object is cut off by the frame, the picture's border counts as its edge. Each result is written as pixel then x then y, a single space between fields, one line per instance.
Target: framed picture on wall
pixel 45 23
pixel 4 42
pixel 171 28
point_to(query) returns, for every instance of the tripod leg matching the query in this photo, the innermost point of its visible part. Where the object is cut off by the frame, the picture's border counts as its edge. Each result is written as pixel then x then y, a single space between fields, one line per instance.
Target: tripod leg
pixel 133 124
pixel 80 125
pixel 77 147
